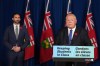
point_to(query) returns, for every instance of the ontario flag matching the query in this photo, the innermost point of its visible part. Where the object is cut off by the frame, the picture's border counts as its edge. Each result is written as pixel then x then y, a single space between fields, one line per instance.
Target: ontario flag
pixel 69 10
pixel 91 30
pixel 47 38
pixel 29 50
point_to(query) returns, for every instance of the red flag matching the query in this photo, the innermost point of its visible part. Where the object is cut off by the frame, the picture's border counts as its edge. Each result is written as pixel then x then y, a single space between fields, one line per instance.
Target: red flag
pixel 91 30
pixel 29 50
pixel 47 37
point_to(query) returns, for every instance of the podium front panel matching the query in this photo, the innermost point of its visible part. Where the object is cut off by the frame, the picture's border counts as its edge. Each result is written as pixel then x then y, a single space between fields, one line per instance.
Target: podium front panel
pixel 73 53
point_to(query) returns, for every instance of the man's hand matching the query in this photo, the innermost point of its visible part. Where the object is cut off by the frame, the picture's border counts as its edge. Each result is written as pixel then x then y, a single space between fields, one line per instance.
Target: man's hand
pixel 16 48
pixel 13 48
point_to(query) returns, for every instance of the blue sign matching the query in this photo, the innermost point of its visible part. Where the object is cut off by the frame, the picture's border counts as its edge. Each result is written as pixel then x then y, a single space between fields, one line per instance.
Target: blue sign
pixel 73 52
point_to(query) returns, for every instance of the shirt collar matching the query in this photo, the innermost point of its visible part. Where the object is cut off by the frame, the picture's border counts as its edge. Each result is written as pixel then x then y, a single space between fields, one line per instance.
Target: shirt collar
pixel 72 29
pixel 16 24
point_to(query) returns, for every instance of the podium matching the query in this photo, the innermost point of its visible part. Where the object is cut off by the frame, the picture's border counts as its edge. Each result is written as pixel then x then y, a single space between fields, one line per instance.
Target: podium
pixel 73 53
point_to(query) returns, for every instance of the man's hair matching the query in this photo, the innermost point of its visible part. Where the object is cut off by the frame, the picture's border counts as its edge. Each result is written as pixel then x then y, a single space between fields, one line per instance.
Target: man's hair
pixel 15 14
pixel 71 14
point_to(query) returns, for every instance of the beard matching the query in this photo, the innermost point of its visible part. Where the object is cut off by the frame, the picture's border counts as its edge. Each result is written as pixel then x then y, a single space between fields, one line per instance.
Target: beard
pixel 17 21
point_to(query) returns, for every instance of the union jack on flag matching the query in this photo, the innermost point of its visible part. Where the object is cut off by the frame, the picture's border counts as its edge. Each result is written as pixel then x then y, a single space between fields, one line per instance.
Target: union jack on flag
pixel 91 30
pixel 47 21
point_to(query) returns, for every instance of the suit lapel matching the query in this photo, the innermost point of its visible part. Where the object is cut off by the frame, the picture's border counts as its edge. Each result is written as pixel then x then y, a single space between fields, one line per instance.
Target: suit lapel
pixel 66 38
pixel 20 31
pixel 13 32
pixel 75 35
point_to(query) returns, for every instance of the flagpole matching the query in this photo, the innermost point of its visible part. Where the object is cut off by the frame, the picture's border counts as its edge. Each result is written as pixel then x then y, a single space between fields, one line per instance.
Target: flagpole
pixel 26 10
pixel 88 10
pixel 27 5
pixel 47 6
pixel 89 6
pixel 69 2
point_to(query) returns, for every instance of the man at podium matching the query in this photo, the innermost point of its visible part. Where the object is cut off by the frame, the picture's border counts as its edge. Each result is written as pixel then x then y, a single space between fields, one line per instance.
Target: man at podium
pixel 71 35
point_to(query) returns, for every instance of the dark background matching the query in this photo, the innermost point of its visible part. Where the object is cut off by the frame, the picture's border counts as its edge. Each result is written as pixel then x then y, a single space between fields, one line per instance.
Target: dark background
pixel 58 12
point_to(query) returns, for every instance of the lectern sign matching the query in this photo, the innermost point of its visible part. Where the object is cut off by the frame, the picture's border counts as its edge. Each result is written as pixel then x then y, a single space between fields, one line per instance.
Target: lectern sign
pixel 84 52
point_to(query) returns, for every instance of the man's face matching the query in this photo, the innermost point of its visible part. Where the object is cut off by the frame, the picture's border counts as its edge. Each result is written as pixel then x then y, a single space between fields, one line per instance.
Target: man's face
pixel 71 21
pixel 16 19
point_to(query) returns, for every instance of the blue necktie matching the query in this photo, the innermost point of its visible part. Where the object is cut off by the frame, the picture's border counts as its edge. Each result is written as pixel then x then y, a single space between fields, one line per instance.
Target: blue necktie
pixel 70 36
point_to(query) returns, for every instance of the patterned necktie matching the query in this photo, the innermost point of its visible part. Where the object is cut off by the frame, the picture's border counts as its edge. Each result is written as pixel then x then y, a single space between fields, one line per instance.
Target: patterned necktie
pixel 70 36
pixel 16 32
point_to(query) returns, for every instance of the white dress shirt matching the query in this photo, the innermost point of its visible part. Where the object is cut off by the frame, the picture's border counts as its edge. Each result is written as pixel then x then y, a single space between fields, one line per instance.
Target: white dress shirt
pixel 18 25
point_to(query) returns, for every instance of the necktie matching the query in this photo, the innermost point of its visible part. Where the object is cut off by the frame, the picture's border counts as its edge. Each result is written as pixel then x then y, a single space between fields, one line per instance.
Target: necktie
pixel 70 36
pixel 16 31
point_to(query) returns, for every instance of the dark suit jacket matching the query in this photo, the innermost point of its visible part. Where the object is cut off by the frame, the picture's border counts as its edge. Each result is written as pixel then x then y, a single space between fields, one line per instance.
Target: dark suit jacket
pixel 10 38
pixel 80 38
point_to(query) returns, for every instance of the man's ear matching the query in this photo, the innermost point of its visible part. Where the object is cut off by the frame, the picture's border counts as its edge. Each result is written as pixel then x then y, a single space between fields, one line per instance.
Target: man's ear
pixel 12 19
pixel 76 21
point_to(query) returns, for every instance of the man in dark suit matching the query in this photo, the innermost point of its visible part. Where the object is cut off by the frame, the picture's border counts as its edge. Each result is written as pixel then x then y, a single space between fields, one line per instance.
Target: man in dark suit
pixel 16 39
pixel 72 36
